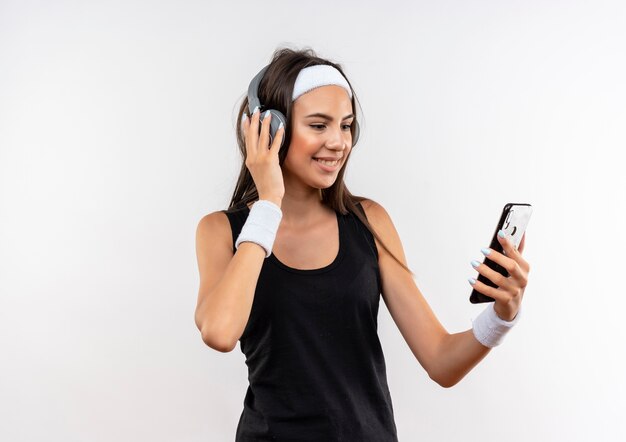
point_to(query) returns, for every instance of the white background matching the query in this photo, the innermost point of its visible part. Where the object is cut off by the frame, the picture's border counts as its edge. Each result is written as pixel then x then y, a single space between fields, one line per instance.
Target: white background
pixel 117 134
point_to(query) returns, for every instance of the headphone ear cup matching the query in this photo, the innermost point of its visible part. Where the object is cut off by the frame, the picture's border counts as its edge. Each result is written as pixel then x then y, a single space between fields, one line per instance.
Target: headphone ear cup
pixel 277 118
pixel 357 132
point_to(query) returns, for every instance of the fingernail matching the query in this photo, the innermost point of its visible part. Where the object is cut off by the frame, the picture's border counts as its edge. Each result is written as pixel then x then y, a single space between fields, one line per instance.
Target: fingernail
pixel 244 117
pixel 267 114
pixel 280 125
pixel 475 264
pixel 485 251
pixel 501 233
pixel 472 281
pixel 256 109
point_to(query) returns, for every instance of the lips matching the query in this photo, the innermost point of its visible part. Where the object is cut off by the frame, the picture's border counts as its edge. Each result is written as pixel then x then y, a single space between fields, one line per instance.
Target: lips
pixel 328 167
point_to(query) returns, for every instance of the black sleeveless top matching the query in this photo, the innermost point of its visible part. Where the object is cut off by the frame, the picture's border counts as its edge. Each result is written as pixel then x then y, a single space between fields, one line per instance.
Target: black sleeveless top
pixel 316 368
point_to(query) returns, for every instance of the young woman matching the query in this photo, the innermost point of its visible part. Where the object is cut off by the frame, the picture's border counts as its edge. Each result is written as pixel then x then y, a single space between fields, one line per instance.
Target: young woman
pixel 295 268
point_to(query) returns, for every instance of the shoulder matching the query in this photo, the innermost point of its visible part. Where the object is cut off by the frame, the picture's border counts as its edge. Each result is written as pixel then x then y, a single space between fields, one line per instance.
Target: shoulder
pixel 375 213
pixel 381 222
pixel 214 227
pixel 213 220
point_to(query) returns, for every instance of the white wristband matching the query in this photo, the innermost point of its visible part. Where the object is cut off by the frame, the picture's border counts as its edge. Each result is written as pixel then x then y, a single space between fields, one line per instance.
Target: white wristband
pixel 261 225
pixel 489 329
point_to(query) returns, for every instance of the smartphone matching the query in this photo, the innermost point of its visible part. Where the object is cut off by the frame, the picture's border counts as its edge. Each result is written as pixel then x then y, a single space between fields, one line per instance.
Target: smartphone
pixel 513 221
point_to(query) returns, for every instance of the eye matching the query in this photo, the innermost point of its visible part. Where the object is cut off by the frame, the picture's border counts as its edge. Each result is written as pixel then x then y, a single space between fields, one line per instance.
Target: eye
pixel 321 126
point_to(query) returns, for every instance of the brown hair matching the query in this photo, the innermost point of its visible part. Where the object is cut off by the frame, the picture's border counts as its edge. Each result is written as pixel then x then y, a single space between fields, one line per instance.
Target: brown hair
pixel 275 92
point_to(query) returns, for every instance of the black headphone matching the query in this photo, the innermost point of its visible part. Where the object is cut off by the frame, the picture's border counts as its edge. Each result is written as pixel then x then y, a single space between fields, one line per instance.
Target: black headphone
pixel 277 116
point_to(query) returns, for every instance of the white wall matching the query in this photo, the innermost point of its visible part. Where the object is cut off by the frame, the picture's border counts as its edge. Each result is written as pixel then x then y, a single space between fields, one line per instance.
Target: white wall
pixel 117 135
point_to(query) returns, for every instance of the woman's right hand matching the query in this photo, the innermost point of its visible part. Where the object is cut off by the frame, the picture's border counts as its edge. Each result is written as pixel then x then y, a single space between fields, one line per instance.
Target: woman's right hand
pixel 262 159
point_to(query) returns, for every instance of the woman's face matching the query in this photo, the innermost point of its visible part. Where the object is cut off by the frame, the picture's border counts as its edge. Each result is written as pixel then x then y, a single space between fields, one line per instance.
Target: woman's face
pixel 321 120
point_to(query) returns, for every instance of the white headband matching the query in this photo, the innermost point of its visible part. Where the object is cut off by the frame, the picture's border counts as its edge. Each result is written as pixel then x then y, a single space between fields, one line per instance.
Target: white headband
pixel 318 75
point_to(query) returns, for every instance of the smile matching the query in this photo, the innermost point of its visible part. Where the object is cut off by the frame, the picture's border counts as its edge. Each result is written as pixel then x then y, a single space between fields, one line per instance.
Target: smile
pixel 328 166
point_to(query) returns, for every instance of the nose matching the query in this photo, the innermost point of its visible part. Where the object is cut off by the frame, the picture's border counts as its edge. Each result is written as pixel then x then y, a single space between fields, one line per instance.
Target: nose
pixel 336 139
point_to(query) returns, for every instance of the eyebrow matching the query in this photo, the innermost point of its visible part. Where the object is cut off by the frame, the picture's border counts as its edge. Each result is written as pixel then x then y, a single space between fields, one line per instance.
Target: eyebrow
pixel 327 117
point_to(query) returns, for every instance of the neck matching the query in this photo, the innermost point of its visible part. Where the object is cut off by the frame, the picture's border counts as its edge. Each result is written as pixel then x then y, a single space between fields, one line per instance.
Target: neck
pixel 303 207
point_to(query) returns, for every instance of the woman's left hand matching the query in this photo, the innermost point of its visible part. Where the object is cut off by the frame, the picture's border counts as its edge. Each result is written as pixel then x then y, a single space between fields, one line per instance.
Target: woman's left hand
pixel 508 296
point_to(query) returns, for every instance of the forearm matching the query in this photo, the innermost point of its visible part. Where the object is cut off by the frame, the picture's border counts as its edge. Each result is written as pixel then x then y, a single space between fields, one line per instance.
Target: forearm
pixel 457 355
